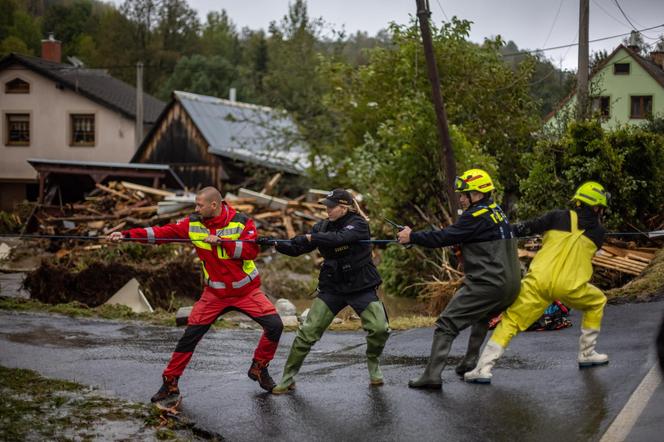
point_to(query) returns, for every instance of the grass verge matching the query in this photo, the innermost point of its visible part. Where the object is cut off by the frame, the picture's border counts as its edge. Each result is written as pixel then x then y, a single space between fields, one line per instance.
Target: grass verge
pixel 647 287
pixel 36 408
pixel 79 310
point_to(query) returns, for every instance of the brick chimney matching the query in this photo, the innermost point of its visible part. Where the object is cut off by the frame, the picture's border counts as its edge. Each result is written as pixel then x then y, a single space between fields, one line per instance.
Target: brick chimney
pixel 657 57
pixel 51 49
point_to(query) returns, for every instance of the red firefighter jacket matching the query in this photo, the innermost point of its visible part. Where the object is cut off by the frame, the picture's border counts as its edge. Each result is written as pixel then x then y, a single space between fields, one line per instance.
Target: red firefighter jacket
pixel 228 267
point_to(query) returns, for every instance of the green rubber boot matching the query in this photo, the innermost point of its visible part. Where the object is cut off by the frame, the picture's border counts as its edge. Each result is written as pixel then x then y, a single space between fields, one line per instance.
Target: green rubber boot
pixel 440 348
pixel 478 333
pixel 374 322
pixel 318 320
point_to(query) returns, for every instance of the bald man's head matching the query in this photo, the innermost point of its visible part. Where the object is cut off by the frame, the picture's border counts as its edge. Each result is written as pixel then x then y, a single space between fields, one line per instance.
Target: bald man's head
pixel 208 202
pixel 210 194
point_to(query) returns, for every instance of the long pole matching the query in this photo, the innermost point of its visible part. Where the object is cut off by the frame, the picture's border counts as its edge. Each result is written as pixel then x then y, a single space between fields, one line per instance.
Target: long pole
pixel 447 155
pixel 139 105
pixel 582 73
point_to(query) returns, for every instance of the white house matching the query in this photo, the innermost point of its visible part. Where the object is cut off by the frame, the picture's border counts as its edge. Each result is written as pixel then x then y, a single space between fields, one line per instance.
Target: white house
pixel 58 111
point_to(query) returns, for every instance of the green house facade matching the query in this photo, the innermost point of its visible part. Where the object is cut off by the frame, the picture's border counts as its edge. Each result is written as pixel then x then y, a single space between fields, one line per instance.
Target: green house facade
pixel 626 88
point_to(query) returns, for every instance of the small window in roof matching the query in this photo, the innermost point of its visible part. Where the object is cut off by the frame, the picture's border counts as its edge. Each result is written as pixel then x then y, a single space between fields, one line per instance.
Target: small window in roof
pixel 621 68
pixel 17 86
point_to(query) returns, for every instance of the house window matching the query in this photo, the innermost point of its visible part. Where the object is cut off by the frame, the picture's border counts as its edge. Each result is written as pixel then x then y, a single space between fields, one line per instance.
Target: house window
pixel 17 86
pixel 641 106
pixel 602 106
pixel 82 129
pixel 621 68
pixel 17 130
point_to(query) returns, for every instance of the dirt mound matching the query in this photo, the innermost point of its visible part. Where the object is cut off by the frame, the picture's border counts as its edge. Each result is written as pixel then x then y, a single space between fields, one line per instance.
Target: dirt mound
pixel 95 284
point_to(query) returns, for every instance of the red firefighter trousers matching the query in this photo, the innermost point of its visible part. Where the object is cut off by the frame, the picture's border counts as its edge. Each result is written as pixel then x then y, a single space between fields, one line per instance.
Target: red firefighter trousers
pixel 209 307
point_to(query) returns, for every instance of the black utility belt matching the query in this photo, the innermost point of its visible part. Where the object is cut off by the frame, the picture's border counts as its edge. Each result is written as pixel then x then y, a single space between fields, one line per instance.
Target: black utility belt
pixel 347 266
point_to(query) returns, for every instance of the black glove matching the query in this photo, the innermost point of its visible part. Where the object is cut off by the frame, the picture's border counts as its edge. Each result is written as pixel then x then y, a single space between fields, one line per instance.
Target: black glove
pixel 265 241
pixel 300 240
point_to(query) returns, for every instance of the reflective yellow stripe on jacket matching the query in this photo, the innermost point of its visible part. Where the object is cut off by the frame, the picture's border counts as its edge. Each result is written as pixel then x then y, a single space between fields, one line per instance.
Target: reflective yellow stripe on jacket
pixel 198 232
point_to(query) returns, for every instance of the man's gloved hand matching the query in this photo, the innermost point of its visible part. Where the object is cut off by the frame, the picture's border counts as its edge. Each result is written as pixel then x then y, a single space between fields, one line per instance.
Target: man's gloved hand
pixel 265 241
pixel 300 240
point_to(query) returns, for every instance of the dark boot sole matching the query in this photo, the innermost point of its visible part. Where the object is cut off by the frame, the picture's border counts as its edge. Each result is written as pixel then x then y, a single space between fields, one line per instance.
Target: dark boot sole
pixel 426 386
pixel 583 365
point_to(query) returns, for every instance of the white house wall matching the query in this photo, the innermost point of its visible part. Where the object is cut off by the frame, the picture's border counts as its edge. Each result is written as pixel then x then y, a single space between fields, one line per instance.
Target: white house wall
pixel 50 109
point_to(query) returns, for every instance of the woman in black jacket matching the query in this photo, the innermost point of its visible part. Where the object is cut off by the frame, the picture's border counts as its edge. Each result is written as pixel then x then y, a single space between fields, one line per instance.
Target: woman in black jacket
pixel 348 277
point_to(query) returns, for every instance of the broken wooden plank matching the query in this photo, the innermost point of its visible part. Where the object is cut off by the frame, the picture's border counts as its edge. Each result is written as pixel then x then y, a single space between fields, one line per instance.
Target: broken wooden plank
pixel 313 195
pixel 146 189
pixel 523 253
pixel 269 186
pixel 288 222
pixel 113 192
pixel 266 215
pixel 617 265
pixel 268 201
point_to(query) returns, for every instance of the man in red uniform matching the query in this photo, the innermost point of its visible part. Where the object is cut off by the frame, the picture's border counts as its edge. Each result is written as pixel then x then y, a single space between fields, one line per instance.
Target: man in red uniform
pixel 224 240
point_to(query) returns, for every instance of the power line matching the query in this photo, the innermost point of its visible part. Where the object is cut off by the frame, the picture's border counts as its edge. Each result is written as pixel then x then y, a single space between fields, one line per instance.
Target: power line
pixel 533 51
pixel 442 10
pixel 555 19
pixel 625 15
pixel 630 22
pixel 597 3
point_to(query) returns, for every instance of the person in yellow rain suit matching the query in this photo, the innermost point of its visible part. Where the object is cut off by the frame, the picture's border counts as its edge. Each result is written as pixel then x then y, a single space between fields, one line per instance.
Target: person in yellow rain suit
pixel 561 270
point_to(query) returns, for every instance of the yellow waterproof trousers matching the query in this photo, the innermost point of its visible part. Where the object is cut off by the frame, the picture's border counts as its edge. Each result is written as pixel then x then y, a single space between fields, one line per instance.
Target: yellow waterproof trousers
pixel 560 270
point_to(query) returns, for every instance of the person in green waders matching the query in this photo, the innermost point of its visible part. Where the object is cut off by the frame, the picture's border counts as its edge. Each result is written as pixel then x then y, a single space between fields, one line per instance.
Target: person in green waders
pixel 348 276
pixel 491 267
pixel 561 270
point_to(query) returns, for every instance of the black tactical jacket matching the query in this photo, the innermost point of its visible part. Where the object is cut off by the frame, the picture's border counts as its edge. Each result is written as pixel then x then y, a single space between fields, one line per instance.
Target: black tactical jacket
pixel 348 267
pixel 488 246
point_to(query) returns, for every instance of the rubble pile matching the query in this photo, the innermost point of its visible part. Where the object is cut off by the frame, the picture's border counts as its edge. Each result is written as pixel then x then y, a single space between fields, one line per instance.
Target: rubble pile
pixel 123 205
pixel 614 264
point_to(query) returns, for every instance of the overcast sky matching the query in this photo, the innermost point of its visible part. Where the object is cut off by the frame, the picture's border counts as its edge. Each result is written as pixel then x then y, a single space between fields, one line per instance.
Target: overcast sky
pixel 530 23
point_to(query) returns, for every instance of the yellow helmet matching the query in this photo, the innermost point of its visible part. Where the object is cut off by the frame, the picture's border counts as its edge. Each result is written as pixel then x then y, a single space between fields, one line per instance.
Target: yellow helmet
pixel 592 193
pixel 474 179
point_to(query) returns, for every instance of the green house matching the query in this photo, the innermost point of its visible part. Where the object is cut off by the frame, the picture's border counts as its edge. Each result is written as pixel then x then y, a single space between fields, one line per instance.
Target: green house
pixel 625 88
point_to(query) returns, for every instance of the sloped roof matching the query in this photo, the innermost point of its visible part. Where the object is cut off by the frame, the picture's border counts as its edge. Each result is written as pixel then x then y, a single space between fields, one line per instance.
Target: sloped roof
pixel 246 132
pixel 656 72
pixel 95 84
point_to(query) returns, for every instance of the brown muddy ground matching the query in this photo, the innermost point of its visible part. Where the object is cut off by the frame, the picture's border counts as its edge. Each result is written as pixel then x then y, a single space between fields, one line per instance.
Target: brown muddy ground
pixel 53 283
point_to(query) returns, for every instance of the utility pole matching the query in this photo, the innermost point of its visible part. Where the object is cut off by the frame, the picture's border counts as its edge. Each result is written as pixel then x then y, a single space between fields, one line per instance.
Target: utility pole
pixel 447 155
pixel 582 71
pixel 138 132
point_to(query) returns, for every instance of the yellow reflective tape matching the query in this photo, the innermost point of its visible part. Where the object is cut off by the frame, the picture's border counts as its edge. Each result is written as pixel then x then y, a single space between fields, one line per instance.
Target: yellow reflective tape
pixel 480 212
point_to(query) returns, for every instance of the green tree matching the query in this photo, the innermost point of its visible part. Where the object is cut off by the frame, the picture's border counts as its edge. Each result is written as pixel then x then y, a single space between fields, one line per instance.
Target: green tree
pixel 201 75
pixel 379 133
pixel 220 37
pixel 13 44
pixel 628 161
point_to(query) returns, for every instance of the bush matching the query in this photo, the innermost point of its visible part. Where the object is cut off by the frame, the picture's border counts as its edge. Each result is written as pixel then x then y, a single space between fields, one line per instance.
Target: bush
pixel 628 161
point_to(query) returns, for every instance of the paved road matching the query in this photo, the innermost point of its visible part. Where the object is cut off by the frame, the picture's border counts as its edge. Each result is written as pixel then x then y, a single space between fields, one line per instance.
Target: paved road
pixel 538 392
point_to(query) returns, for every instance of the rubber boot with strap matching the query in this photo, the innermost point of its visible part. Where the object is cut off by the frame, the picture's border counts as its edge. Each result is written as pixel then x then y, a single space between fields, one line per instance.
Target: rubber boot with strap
pixel 318 320
pixel 374 322
pixel 440 348
pixel 482 373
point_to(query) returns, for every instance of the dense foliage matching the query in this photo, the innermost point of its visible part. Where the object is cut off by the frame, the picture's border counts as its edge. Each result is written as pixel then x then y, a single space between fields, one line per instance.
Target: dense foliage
pixel 628 161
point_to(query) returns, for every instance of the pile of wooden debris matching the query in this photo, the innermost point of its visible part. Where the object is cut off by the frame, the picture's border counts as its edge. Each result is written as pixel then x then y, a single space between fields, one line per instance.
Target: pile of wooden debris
pixel 615 263
pixel 122 205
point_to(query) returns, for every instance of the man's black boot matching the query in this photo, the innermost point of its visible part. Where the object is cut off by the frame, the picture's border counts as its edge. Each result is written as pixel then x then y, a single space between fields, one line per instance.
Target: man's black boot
pixel 169 390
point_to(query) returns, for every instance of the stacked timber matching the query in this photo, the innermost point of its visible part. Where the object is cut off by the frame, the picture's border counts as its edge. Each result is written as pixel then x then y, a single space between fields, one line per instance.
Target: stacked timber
pixel 630 261
pixel 611 258
pixel 122 205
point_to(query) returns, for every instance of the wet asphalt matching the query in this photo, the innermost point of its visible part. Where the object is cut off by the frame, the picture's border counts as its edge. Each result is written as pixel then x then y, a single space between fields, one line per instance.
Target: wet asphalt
pixel 538 392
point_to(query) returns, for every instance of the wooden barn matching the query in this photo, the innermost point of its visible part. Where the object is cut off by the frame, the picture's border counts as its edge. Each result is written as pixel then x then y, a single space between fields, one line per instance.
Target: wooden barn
pixel 211 141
